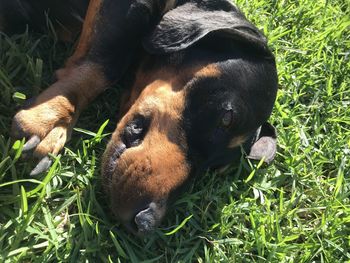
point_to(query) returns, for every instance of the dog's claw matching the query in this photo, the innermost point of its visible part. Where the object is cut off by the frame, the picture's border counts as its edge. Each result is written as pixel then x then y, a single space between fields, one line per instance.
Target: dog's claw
pixel 42 166
pixel 31 143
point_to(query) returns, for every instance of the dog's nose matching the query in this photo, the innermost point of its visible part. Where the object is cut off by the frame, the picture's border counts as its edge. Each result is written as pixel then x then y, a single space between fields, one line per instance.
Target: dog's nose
pixel 148 219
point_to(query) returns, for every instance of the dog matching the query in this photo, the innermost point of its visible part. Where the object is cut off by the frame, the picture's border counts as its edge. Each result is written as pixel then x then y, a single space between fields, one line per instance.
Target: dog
pixel 201 82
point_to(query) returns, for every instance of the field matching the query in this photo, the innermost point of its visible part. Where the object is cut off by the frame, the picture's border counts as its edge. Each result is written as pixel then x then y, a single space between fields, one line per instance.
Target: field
pixel 295 210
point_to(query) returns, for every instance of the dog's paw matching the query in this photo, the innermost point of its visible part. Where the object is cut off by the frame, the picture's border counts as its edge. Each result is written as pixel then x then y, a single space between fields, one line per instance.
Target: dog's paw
pixel 46 125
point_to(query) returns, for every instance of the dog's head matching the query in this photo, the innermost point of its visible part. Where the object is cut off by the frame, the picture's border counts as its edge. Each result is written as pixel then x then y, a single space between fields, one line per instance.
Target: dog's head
pixel 190 110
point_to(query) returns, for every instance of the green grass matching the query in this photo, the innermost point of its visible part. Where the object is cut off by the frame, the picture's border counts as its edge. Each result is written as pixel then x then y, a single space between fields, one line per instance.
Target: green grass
pixel 295 210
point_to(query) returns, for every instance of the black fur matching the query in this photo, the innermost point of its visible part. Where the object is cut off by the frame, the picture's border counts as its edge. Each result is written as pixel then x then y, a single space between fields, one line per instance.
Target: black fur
pixel 193 20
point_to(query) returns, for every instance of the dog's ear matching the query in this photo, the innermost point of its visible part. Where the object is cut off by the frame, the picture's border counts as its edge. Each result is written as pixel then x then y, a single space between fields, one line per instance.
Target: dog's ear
pixel 190 22
pixel 265 144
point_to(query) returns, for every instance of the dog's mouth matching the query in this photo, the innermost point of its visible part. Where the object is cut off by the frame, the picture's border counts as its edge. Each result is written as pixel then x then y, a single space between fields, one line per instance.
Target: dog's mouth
pixel 109 166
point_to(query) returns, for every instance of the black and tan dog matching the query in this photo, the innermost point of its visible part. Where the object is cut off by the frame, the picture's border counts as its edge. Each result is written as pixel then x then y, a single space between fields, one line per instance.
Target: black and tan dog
pixel 202 84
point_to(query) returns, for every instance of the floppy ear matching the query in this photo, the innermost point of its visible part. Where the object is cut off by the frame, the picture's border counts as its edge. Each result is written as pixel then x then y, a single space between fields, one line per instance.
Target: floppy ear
pixel 265 144
pixel 192 21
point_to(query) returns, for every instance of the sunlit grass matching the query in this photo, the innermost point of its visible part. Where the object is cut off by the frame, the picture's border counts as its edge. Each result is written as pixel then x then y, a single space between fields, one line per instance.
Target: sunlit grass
pixel 295 210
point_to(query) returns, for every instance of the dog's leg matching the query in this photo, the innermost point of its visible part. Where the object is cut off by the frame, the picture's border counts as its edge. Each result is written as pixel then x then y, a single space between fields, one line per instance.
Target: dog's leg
pixel 111 32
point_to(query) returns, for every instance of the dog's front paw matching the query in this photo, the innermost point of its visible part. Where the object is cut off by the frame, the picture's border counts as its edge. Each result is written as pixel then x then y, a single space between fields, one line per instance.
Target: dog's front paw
pixel 46 125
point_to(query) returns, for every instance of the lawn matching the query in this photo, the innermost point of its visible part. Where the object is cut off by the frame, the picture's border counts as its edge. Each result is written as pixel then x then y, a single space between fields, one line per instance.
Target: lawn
pixel 295 210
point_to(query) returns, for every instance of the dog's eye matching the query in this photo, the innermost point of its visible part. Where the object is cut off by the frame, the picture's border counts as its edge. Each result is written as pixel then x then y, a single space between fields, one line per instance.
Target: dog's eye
pixel 134 132
pixel 227 119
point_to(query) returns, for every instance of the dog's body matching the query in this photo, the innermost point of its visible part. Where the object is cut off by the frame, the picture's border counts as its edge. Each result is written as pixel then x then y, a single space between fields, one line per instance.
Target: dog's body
pixel 202 84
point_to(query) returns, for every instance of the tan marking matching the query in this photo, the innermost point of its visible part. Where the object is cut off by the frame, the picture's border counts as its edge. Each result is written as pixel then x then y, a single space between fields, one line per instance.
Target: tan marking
pixel 43 117
pixel 175 78
pixel 237 141
pixel 144 80
pixel 52 143
pixel 87 33
pixel 160 95
pixel 209 71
